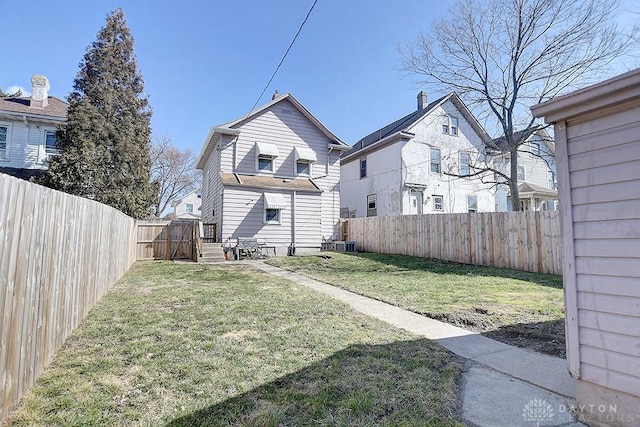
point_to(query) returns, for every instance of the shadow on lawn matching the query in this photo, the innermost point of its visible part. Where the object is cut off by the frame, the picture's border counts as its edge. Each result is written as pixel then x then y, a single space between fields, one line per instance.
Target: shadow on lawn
pixel 406 262
pixel 402 383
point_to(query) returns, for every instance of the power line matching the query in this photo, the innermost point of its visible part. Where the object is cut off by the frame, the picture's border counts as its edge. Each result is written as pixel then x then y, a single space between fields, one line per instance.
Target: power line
pixel 283 57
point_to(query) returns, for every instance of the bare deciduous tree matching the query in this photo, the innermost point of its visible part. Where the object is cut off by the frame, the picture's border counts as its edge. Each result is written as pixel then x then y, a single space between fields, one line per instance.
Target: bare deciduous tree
pixel 173 173
pixel 502 56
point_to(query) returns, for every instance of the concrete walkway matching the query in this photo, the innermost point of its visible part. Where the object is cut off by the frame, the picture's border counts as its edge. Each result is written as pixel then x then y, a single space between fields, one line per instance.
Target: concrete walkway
pixel 502 385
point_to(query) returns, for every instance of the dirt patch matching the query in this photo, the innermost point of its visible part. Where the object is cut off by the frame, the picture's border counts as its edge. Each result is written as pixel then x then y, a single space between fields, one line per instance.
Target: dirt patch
pixel 544 337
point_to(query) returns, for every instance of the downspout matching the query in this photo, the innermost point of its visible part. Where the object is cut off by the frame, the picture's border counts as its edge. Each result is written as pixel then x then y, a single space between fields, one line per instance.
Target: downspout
pixel 292 246
pixel 235 153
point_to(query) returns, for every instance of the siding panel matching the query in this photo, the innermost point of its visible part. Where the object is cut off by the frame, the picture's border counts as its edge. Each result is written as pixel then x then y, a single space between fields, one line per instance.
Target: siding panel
pixel 614 304
pixel 610 379
pixel 609 322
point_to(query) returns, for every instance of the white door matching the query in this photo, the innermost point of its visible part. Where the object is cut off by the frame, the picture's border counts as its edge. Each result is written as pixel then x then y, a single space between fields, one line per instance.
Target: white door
pixel 415 203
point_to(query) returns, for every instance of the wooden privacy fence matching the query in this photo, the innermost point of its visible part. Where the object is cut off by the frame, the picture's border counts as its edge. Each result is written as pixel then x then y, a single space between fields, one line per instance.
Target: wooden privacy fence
pixel 528 241
pixel 167 240
pixel 59 254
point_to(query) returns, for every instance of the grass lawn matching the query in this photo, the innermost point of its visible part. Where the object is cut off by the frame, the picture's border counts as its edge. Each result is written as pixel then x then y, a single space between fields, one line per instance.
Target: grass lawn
pixel 207 345
pixel 520 308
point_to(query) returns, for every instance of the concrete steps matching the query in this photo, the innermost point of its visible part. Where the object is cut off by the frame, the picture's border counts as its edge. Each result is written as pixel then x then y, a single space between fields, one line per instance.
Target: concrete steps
pixel 211 252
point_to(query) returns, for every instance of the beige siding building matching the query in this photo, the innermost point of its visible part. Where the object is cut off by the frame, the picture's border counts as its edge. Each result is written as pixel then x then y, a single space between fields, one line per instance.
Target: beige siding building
pixel 273 175
pixel 597 133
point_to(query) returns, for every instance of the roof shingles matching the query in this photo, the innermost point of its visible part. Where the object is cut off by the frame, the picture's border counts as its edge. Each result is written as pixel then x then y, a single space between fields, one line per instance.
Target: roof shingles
pixel 55 107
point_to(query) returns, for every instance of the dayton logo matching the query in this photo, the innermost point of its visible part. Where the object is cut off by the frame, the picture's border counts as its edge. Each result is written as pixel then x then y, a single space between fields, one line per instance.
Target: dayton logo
pixel 537 410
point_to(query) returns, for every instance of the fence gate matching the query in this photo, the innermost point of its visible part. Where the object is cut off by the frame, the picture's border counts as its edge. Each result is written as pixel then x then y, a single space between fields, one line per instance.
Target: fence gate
pixel 166 240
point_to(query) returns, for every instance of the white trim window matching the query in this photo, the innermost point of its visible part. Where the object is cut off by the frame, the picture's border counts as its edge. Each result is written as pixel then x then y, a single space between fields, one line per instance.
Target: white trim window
pixel 450 125
pixel 50 142
pixel 188 208
pixel 465 160
pixel 372 205
pixel 305 157
pixel 472 204
pixel 434 162
pixel 265 157
pixel 438 203
pixel 363 168
pixel 274 203
pixel 522 176
pixel 4 138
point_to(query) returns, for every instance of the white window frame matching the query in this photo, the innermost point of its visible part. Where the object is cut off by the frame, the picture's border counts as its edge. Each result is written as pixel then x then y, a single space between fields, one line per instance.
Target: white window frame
pixel 308 163
pixel 4 152
pixel 265 158
pixel 438 164
pixel 450 125
pixel 522 171
pixel 472 200
pixel 438 202
pixel 363 162
pixel 186 208
pixel 278 217
pixel 467 164
pixel 551 179
pixel 372 199
pixel 48 150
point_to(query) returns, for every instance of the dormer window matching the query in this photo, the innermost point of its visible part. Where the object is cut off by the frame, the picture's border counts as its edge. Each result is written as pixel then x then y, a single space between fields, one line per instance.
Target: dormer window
pixel 450 125
pixel 265 155
pixel 304 158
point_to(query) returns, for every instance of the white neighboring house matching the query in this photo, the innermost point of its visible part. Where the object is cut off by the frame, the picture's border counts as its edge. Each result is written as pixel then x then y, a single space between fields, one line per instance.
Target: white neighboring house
pixel 537 171
pixel 408 166
pixel 28 130
pixel 274 175
pixel 188 207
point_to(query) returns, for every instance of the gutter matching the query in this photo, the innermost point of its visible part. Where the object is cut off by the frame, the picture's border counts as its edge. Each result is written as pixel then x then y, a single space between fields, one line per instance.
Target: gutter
pixel 400 135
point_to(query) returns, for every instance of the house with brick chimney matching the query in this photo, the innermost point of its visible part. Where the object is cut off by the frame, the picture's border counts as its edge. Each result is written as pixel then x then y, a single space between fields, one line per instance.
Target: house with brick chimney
pixel 28 130
pixel 421 163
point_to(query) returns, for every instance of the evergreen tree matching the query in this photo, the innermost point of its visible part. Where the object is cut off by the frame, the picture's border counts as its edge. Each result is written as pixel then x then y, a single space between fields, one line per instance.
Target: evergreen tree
pixel 104 146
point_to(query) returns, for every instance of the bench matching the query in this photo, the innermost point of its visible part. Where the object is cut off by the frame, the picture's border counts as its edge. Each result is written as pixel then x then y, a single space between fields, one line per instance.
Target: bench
pixel 247 247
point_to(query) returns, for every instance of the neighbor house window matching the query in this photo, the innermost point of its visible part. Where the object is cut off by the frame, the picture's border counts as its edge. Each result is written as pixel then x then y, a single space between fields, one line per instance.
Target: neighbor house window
pixel 50 142
pixel 464 164
pixel 435 160
pixel 303 167
pixel 265 164
pixel 265 155
pixel 274 203
pixel 304 156
pixel 437 203
pixel 535 148
pixel 450 125
pixel 272 216
pixel 188 208
pixel 472 203
pixel 3 141
pixel 551 178
pixel 363 168
pixel 521 173
pixel 372 209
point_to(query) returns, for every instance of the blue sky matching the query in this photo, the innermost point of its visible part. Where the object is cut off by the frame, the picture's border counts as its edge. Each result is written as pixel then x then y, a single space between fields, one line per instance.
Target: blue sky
pixel 205 62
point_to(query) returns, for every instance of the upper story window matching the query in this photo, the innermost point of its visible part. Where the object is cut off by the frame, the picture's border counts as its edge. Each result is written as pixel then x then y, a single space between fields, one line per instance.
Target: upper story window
pixel 465 160
pixel 521 173
pixel 265 156
pixel 372 208
pixel 4 130
pixel 304 159
pixel 188 208
pixel 363 168
pixel 450 125
pixel 536 149
pixel 551 178
pixel 435 160
pixel 50 142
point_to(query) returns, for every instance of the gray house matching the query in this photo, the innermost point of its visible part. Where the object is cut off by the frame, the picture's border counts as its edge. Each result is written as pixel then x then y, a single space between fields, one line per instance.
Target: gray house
pixel 273 175
pixel 597 133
